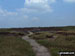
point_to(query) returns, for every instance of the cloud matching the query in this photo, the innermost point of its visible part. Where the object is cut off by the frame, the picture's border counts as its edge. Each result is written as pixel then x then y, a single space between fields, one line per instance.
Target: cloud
pixel 37 5
pixel 12 19
pixel 52 1
pixel 33 7
pixel 6 13
pixel 69 0
pixel 26 15
pixel 30 7
pixel 39 1
pixel 35 18
pixel 26 10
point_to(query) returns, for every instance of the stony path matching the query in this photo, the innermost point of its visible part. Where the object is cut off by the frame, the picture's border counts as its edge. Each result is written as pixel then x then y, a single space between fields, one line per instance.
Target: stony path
pixel 38 49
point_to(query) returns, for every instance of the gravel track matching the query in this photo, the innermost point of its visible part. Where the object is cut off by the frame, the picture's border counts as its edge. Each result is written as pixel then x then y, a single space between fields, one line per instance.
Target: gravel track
pixel 37 48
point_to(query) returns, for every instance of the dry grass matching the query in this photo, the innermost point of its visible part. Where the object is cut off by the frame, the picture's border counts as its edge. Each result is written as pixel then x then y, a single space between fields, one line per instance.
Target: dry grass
pixel 14 46
pixel 61 43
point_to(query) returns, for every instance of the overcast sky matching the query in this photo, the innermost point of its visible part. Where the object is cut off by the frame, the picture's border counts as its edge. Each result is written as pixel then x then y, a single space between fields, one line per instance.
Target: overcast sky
pixel 35 13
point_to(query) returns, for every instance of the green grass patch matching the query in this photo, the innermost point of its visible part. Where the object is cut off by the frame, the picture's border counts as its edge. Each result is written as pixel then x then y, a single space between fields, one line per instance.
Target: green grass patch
pixel 14 46
pixel 54 45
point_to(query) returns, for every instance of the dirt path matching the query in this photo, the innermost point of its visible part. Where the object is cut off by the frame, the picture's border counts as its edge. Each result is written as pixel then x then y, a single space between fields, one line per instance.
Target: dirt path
pixel 38 49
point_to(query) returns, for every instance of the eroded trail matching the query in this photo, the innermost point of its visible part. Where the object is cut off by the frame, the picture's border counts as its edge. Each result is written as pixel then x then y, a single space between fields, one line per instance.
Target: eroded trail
pixel 38 49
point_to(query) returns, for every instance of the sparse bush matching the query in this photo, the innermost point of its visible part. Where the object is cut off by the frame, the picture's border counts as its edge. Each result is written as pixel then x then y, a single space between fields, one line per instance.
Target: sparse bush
pixel 59 43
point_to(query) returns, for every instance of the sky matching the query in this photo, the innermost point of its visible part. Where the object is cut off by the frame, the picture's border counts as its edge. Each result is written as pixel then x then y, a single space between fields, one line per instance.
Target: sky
pixel 36 13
